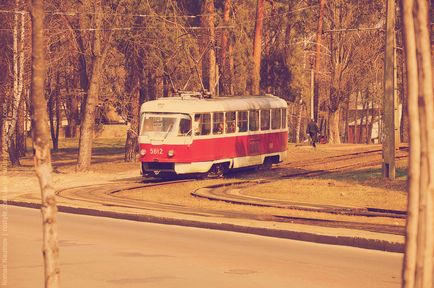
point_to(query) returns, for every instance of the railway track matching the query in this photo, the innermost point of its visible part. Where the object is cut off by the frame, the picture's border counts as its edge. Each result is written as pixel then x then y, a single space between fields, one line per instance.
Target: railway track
pixel 109 196
pixel 366 155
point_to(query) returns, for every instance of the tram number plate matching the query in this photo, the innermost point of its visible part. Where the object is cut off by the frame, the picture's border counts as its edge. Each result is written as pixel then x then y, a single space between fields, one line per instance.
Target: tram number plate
pixel 156 151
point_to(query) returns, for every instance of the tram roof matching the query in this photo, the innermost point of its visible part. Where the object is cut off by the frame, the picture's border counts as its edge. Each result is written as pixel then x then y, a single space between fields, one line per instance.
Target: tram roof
pixel 202 105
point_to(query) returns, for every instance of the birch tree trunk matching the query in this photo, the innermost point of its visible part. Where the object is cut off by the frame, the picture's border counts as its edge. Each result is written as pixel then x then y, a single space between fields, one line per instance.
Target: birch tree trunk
pixel 418 257
pixel 20 130
pixel 41 145
pixel 20 133
pixel 404 119
pixel 3 149
pixel 18 67
pixel 257 47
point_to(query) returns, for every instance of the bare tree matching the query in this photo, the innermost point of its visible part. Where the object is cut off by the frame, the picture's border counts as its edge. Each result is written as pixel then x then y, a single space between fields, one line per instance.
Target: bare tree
pixel 100 48
pixel 418 258
pixel 41 145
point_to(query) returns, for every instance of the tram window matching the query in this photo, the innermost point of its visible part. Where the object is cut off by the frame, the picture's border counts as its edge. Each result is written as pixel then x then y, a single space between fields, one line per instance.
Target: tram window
pixel 242 121
pixel 202 124
pixel 276 118
pixel 254 120
pixel 218 123
pixel 231 125
pixel 184 127
pixel 284 119
pixel 156 123
pixel 265 119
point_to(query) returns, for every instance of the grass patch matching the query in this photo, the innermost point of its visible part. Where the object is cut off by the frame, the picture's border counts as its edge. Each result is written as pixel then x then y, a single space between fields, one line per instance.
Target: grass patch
pixel 363 175
pixel 100 145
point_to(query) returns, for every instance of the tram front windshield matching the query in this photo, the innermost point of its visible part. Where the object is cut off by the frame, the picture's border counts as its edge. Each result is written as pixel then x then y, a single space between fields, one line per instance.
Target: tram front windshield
pixel 158 126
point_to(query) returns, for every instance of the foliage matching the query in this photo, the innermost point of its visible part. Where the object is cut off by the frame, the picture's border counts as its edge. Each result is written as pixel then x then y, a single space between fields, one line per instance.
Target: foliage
pixel 156 46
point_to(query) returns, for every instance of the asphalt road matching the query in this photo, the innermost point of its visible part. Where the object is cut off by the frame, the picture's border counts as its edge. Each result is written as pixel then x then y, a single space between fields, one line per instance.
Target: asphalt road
pixel 101 252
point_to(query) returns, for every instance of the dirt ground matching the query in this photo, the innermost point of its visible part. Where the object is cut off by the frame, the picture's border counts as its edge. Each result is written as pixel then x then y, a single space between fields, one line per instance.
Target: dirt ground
pixel 360 188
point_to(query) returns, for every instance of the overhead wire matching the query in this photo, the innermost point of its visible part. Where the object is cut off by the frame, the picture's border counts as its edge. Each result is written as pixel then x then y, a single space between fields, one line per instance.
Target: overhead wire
pixel 74 13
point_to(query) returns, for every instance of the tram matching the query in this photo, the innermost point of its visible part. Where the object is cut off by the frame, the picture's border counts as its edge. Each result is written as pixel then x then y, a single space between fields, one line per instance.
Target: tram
pixel 190 134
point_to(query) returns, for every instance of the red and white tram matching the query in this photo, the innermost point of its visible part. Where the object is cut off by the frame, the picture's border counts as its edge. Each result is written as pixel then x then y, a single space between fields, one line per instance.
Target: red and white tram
pixel 191 134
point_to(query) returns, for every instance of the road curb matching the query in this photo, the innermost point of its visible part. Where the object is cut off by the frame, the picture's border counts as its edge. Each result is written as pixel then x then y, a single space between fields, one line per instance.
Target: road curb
pixel 373 244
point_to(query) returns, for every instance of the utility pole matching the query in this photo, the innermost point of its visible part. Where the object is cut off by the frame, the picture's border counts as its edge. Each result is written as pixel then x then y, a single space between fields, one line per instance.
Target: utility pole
pixel 389 100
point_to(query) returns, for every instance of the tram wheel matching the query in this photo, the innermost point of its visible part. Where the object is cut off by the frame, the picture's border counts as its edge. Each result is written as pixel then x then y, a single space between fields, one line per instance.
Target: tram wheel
pixel 165 175
pixel 268 162
pixel 217 171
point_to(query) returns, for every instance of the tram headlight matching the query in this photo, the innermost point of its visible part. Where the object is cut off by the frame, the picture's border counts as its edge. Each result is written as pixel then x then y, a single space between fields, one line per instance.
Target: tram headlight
pixel 170 153
pixel 142 152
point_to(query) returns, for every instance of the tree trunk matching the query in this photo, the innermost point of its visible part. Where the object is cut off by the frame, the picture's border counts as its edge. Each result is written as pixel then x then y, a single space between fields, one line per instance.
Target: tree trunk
pixel 418 257
pixel 371 122
pixel 257 47
pixel 367 137
pixel 21 133
pixel 131 144
pixel 356 114
pixel 18 68
pixel 318 59
pixel 3 150
pixel 88 120
pixel 54 113
pixel 267 54
pixel 231 68
pixel 363 119
pixel 334 104
pixel 73 115
pixel 224 53
pixel 207 40
pixel 404 118
pixel 287 48
pixel 209 8
pixel 298 126
pixel 334 137
pixel 41 145
pixel 347 120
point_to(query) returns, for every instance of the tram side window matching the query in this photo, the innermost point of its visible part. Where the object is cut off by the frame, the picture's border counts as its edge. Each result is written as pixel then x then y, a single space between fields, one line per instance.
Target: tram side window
pixel 242 121
pixel 218 126
pixel 276 118
pixel 284 118
pixel 265 119
pixel 254 120
pixel 231 125
pixel 202 124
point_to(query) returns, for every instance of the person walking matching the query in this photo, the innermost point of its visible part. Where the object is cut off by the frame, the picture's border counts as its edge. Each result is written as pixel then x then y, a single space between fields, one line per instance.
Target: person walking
pixel 312 130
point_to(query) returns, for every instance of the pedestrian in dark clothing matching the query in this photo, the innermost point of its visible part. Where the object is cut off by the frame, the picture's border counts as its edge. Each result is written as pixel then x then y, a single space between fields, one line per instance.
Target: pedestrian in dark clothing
pixel 312 130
